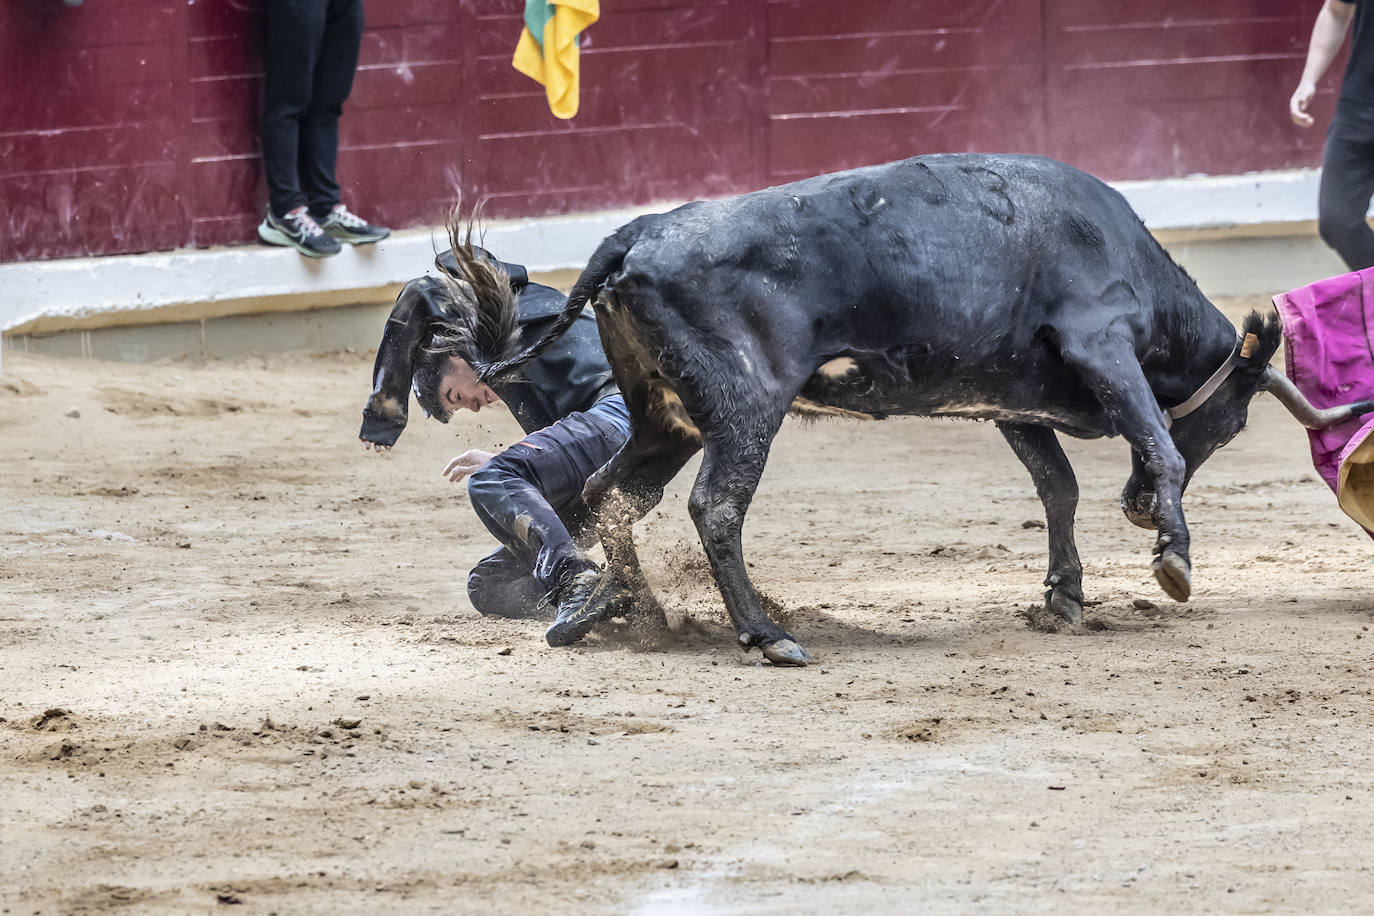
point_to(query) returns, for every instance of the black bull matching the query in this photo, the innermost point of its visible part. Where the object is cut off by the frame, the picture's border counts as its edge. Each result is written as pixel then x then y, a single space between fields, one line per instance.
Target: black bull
pixel 1007 288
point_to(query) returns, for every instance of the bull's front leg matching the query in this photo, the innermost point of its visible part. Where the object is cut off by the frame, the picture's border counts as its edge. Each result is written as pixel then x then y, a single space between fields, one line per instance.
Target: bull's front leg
pixel 1110 370
pixel 1039 450
pixel 720 498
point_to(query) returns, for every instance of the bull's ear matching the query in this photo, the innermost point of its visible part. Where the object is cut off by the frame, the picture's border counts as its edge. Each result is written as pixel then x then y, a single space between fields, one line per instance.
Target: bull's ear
pixel 1260 339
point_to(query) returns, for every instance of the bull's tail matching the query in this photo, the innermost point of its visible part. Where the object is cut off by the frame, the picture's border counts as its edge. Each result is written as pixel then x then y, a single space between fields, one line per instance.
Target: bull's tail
pixel 607 258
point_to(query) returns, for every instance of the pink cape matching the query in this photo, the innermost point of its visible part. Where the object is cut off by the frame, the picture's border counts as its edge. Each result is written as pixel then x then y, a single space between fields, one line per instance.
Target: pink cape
pixel 1328 334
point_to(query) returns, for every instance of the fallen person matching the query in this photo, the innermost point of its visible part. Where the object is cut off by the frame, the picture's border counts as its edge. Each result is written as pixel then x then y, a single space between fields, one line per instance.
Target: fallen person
pixel 437 340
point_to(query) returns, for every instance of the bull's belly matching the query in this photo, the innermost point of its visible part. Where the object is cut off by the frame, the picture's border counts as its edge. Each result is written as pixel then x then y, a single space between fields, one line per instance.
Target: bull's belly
pixel 842 386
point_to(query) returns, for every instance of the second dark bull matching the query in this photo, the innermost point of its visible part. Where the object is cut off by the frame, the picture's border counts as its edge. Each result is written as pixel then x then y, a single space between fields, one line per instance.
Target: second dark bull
pixel 1008 288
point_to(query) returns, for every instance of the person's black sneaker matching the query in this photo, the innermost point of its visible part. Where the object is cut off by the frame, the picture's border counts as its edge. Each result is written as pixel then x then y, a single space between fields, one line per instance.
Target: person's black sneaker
pixel 352 228
pixel 583 600
pixel 297 230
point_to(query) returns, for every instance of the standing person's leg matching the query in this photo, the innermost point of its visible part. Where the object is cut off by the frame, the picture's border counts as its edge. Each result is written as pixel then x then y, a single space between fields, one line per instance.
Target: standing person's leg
pixel 527 495
pixel 1346 187
pixel 295 29
pixel 319 153
pixel 341 40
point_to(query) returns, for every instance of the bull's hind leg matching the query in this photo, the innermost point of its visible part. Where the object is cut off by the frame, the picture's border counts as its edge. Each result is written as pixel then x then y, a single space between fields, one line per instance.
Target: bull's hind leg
pixel 620 494
pixel 729 475
pixel 1039 450
pixel 624 492
pixel 1110 370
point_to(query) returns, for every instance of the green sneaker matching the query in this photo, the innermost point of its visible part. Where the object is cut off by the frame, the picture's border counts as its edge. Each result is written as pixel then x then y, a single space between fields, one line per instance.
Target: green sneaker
pixel 351 228
pixel 297 230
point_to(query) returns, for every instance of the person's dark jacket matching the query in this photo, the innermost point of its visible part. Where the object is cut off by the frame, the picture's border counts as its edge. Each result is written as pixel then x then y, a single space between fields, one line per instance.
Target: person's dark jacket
pixel 570 376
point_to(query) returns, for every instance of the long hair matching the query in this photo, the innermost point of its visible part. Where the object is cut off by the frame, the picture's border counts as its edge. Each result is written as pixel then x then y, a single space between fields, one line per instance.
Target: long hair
pixel 481 327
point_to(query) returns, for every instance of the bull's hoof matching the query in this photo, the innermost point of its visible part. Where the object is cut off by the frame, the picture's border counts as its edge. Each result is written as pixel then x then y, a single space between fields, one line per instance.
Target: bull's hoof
pixel 786 653
pixel 1067 607
pixel 1140 510
pixel 1146 520
pixel 1063 608
pixel 1173 575
pixel 1044 618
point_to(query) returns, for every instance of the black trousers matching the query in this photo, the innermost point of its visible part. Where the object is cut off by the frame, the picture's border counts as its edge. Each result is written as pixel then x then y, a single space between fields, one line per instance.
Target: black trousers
pixel 530 498
pixel 310 56
pixel 1347 185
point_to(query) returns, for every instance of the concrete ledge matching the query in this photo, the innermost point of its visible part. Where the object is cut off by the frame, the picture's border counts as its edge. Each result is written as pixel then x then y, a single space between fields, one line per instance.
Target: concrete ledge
pixel 341 328
pixel 84 293
pixel 1225 201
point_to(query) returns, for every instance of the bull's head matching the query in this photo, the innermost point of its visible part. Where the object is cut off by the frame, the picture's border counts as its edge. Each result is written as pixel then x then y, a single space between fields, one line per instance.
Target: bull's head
pixel 1223 414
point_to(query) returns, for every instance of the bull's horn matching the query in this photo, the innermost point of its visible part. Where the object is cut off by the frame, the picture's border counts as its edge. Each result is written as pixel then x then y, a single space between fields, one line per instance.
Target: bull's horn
pixel 1288 394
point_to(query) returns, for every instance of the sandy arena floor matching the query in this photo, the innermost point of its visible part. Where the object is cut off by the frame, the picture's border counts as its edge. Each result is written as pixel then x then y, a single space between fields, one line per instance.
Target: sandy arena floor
pixel 237 665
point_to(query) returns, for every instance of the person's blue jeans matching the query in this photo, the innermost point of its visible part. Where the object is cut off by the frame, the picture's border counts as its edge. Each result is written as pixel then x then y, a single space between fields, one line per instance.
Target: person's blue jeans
pixel 530 499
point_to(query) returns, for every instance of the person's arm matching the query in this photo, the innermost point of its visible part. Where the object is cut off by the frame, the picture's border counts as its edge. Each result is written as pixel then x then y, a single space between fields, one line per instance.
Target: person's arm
pixel 1328 34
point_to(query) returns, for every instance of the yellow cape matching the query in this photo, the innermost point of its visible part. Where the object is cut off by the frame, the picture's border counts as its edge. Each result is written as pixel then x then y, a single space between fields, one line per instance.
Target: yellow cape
pixel 552 59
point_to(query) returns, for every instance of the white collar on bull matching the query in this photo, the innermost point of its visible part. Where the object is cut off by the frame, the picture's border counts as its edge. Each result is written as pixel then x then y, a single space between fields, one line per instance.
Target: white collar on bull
pixel 1240 351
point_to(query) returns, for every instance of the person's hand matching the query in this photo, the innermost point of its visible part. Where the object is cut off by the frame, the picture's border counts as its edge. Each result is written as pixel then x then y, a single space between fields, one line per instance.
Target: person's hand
pixel 1297 105
pixel 374 446
pixel 467 463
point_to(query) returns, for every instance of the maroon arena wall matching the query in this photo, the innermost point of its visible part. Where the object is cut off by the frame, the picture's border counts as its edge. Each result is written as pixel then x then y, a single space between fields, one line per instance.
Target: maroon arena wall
pixel 130 126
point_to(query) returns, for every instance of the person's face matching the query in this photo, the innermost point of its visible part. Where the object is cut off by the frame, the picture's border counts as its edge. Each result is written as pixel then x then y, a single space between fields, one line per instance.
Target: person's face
pixel 460 387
